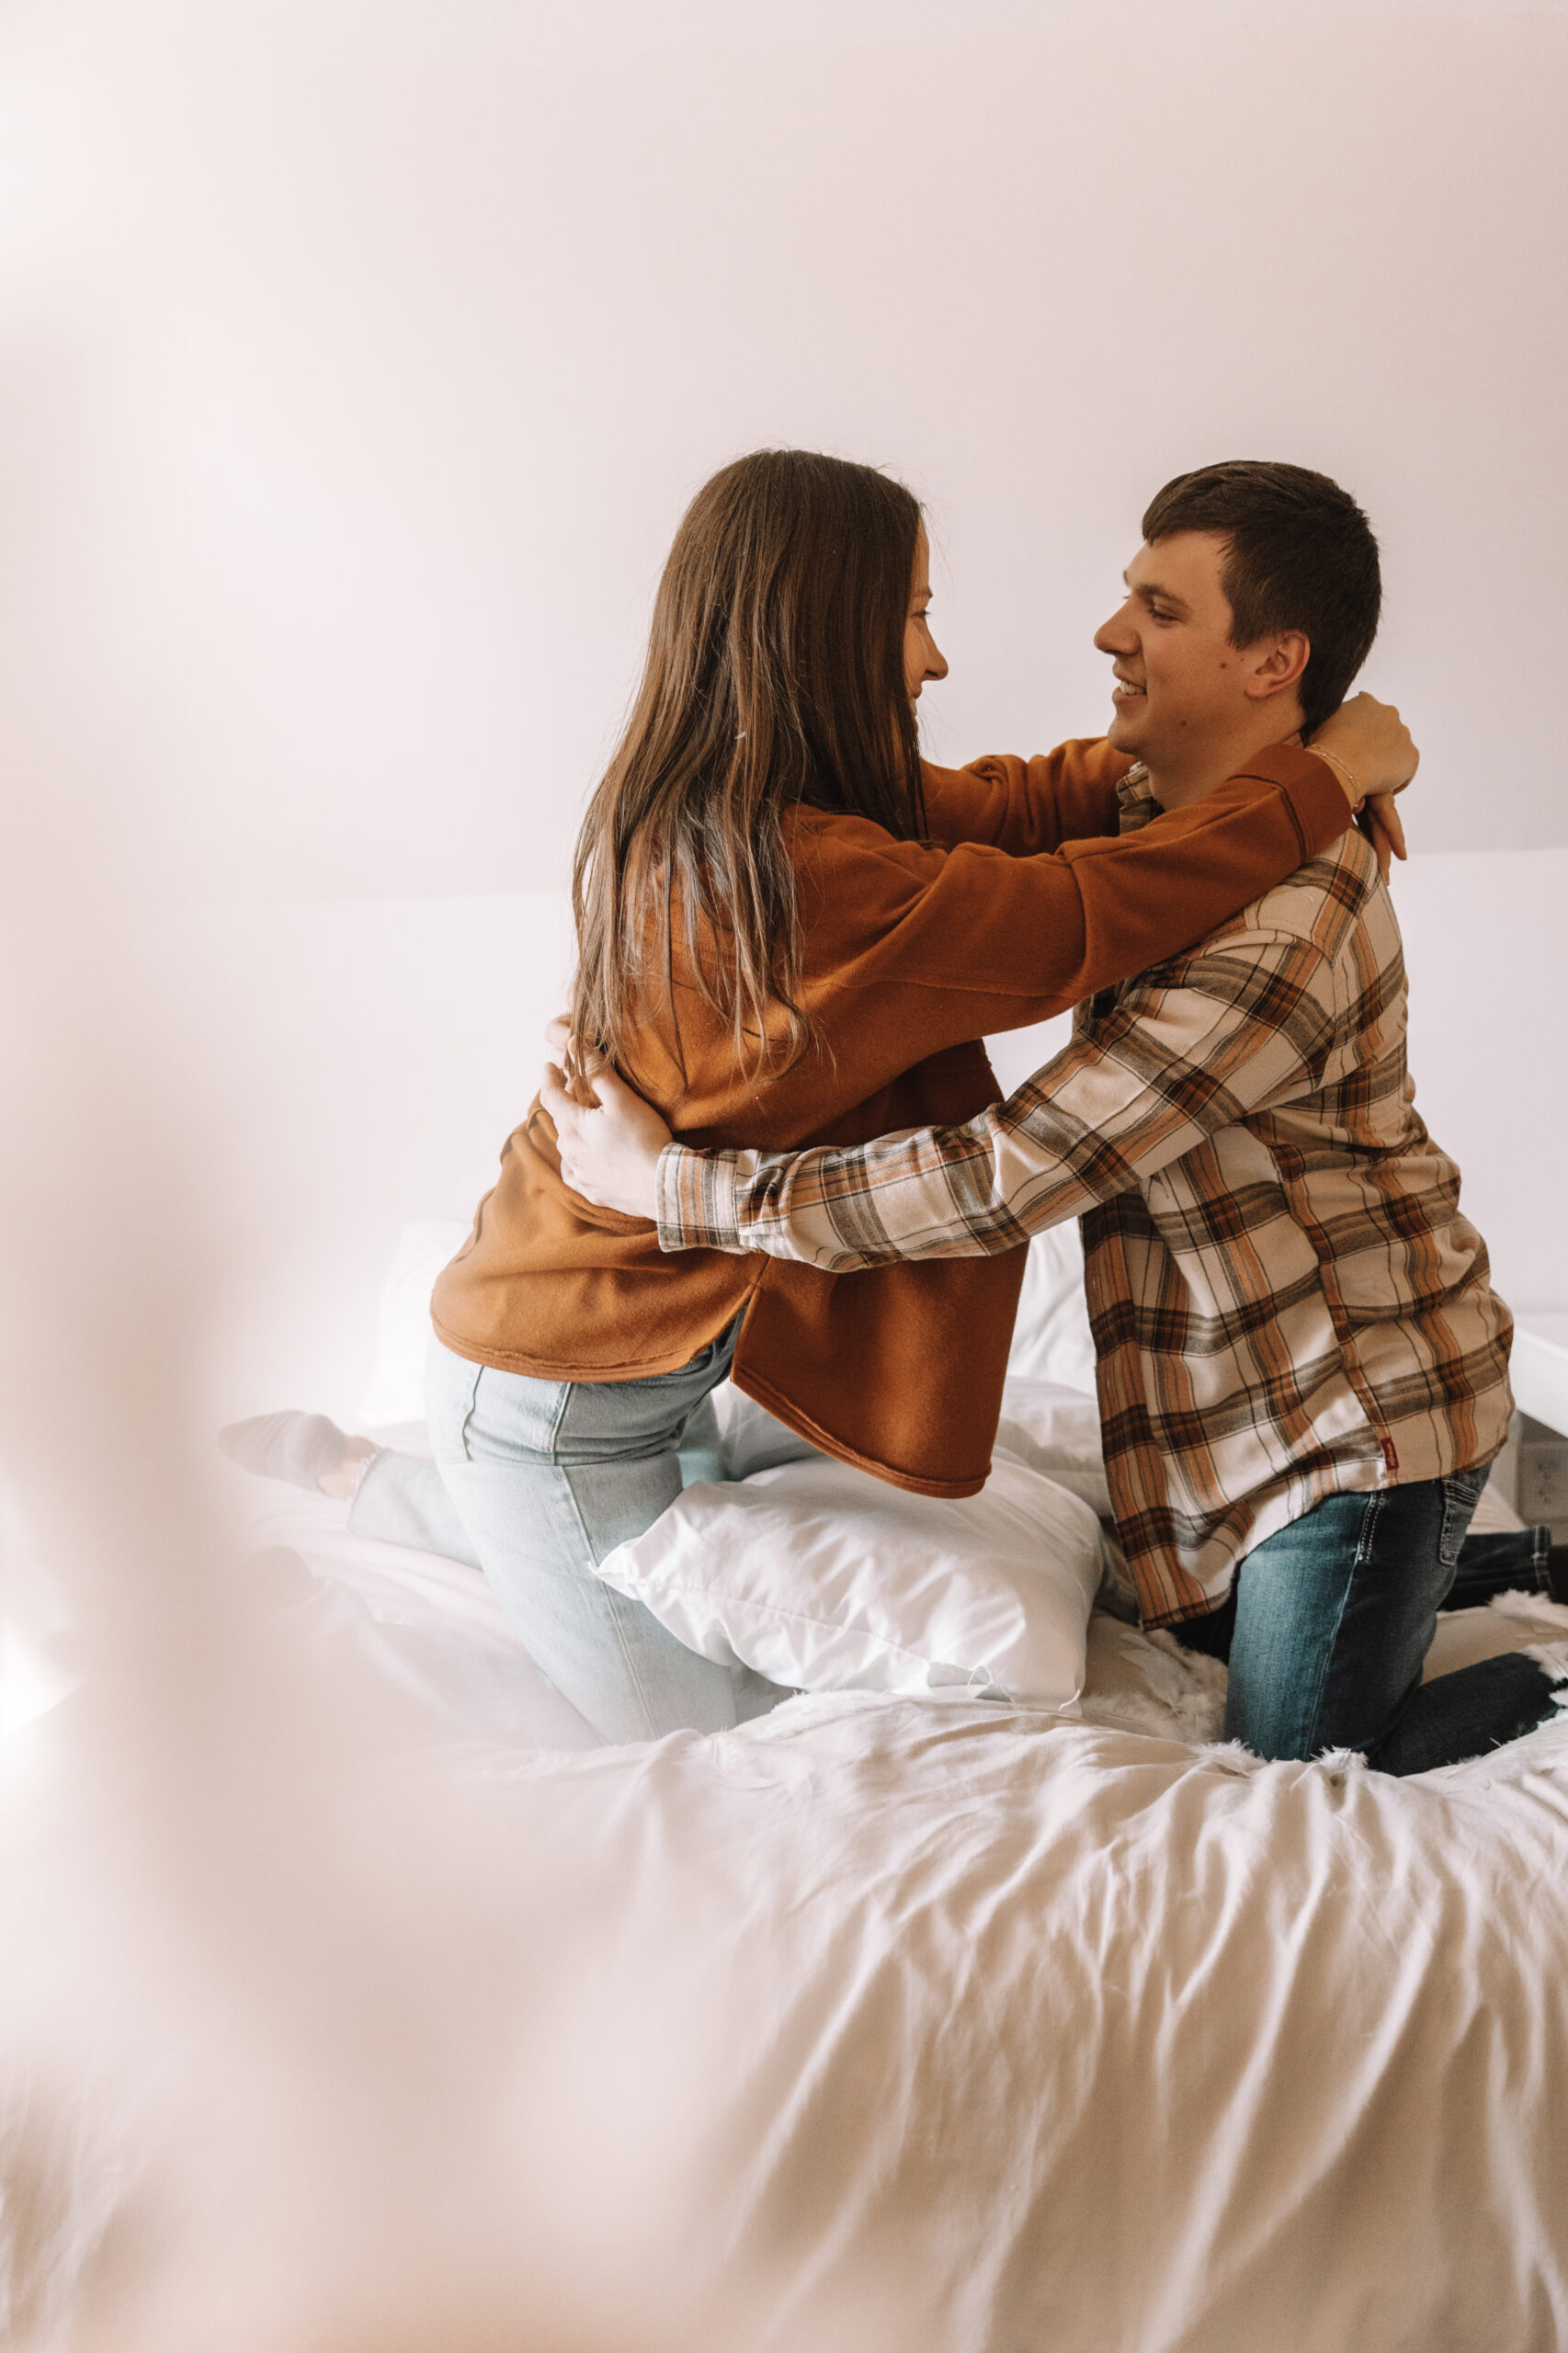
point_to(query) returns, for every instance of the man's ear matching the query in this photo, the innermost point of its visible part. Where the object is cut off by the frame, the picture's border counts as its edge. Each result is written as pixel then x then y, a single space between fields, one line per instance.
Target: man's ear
pixel 1277 664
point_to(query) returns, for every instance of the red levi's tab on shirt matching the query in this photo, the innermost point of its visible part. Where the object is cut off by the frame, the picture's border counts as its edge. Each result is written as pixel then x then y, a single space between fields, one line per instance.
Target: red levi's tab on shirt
pixel 1390 1452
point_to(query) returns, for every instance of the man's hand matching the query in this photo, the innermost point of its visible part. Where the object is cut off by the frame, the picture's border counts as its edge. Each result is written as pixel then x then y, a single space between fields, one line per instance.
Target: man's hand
pixel 609 1139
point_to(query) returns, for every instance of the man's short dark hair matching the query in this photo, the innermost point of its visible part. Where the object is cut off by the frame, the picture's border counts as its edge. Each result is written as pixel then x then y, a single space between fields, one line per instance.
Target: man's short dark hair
pixel 1301 555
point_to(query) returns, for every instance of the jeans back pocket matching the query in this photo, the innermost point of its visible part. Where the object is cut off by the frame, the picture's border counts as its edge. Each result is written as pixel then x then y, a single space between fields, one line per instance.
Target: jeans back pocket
pixel 1462 1493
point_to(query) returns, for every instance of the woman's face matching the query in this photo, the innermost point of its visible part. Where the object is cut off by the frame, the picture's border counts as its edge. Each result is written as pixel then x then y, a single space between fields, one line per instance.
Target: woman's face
pixel 922 656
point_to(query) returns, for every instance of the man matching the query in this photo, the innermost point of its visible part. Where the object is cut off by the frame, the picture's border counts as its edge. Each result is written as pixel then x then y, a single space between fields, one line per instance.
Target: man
pixel 1302 1368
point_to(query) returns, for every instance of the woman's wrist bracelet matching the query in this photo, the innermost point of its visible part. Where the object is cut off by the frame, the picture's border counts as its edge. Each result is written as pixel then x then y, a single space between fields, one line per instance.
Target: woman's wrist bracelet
pixel 1346 772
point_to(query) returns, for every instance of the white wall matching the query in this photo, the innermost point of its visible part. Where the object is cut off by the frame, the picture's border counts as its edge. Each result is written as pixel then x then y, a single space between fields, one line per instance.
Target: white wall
pixel 360 358
pixel 359 1064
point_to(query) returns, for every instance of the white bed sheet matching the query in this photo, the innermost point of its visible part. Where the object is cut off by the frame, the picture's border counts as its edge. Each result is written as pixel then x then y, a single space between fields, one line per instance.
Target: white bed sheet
pixel 880 2023
pixel 935 2024
pixel 1045 2036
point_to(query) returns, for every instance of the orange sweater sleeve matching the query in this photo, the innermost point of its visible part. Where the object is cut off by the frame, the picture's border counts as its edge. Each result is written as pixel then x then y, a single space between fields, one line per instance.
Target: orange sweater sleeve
pixel 939 946
pixel 1027 806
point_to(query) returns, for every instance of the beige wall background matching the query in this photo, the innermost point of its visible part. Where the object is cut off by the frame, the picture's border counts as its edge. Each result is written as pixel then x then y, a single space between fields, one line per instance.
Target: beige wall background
pixel 360 355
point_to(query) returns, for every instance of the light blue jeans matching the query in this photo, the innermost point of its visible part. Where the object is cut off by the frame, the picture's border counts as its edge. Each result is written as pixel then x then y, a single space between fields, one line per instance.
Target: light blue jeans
pixel 546 1478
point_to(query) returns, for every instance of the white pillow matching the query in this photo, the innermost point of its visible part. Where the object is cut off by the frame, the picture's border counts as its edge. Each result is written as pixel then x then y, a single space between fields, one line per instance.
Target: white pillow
pixel 1044 1424
pixel 822 1577
pixel 751 1438
pixel 1057 1431
pixel 396 1393
pixel 1052 1340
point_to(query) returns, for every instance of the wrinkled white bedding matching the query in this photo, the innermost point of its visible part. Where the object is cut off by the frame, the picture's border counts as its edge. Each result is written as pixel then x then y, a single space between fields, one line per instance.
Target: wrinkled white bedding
pixel 936 2025
pixel 993 2032
pixel 1073 2038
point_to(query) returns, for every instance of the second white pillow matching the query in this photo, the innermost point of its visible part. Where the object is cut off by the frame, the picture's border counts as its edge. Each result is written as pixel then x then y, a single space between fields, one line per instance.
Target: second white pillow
pixel 820 1576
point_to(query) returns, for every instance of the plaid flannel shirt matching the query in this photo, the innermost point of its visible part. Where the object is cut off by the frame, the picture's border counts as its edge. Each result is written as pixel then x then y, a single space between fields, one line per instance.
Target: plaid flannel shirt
pixel 1287 1302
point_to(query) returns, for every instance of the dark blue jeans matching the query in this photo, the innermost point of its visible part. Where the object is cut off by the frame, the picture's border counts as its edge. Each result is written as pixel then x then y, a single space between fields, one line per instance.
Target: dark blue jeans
pixel 1518 1562
pixel 1328 1624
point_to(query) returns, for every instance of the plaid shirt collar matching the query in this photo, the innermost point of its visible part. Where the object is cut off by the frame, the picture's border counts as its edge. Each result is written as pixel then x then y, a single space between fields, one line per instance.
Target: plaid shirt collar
pixel 1136 795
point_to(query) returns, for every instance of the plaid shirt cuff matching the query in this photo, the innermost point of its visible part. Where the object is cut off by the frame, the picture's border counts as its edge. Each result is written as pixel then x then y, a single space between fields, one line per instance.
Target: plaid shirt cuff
pixel 696 1208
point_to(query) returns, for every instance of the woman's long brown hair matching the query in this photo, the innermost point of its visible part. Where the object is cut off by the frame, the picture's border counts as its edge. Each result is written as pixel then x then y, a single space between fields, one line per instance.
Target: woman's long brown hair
pixel 775 675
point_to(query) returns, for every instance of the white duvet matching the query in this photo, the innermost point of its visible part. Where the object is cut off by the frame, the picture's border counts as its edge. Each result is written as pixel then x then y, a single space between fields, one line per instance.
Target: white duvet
pixel 1068 2039
pixel 923 2025
pixel 929 2025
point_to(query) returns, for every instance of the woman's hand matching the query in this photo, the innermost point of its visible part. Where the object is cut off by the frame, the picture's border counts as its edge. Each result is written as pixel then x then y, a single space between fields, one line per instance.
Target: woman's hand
pixel 1369 748
pixel 609 1139
pixel 1369 739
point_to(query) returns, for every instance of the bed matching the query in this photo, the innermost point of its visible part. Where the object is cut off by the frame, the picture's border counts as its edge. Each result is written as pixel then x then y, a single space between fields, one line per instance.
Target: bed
pixel 877 2021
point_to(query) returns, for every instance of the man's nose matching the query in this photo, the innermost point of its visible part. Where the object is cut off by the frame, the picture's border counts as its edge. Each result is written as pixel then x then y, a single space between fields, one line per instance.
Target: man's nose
pixel 1117 635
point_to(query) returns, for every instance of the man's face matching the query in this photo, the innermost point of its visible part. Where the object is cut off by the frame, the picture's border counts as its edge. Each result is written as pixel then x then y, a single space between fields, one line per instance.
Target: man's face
pixel 1179 681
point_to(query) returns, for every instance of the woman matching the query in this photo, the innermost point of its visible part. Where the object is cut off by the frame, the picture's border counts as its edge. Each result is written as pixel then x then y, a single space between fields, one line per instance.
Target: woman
pixel 791 931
